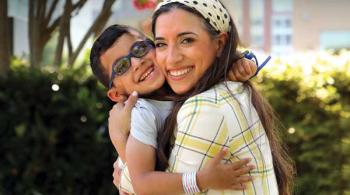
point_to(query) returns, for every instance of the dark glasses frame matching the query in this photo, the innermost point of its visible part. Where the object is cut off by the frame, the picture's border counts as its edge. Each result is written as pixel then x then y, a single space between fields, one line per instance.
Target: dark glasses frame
pixel 145 46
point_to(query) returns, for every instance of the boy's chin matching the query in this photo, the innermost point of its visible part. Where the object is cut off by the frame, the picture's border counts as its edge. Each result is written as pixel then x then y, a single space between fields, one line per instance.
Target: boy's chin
pixel 146 95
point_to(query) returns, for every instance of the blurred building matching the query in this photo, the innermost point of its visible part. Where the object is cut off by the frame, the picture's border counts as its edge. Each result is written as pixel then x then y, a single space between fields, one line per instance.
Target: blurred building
pixel 272 26
pixel 284 26
pixel 321 24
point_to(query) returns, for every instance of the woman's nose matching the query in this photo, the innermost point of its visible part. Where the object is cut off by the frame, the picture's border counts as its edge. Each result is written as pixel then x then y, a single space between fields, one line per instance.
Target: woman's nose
pixel 174 56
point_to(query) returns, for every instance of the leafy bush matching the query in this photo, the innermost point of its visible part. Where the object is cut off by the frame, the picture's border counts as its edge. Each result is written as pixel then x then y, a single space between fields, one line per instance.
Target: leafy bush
pixel 54 142
pixel 311 94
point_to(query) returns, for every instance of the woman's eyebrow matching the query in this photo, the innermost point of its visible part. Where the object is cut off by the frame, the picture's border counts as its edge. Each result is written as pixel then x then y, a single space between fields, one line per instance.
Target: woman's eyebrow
pixel 186 33
pixel 179 35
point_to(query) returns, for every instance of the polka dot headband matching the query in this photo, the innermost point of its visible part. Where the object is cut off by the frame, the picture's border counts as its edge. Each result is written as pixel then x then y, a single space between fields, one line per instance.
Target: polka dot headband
pixel 212 10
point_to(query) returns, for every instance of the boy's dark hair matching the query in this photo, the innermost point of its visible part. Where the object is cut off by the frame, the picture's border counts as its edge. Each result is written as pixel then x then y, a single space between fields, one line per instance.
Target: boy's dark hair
pixel 105 41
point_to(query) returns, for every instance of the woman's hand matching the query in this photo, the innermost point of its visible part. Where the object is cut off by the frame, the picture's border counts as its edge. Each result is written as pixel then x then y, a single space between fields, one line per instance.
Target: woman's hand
pixel 242 70
pixel 117 174
pixel 216 175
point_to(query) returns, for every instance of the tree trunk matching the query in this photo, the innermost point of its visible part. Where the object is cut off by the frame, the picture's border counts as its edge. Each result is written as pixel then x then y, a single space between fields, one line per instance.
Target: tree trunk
pixel 5 53
pixel 36 47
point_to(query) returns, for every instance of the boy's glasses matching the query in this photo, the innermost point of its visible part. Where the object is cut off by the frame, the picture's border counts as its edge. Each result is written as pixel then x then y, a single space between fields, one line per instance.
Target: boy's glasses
pixel 138 50
pixel 251 56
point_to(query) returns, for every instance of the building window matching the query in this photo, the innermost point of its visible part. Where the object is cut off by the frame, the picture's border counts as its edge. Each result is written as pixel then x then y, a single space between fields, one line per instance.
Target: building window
pixel 277 23
pixel 257 22
pixel 335 40
pixel 288 23
pixel 258 40
pixel 288 39
pixel 277 39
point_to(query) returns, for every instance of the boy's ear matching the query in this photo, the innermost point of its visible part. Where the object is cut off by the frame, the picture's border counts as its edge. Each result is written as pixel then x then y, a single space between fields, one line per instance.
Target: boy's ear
pixel 116 96
pixel 222 39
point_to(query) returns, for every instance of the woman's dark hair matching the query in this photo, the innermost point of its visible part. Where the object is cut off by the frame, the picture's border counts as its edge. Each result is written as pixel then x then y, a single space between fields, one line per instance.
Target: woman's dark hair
pixel 216 73
pixel 105 41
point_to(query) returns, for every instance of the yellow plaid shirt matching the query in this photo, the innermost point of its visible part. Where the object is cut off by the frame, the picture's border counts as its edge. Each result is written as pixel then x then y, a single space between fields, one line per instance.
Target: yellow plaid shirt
pixel 214 119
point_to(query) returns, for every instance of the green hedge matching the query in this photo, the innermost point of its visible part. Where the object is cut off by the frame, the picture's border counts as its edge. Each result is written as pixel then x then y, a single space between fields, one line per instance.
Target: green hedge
pixel 311 94
pixel 55 142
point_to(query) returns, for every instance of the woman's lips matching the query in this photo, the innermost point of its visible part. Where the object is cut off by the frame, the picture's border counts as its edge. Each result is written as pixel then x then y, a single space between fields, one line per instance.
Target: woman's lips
pixel 179 73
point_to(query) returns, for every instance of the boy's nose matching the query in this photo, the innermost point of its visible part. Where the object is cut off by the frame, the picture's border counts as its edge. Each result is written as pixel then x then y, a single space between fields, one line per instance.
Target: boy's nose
pixel 136 63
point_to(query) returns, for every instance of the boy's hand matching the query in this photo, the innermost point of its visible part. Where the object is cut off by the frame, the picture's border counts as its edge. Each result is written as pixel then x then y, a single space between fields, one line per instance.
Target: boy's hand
pixel 120 117
pixel 216 175
pixel 119 124
pixel 242 70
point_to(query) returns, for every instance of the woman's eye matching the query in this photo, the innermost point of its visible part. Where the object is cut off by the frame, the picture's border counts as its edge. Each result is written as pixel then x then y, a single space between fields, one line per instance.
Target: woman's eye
pixel 159 45
pixel 187 40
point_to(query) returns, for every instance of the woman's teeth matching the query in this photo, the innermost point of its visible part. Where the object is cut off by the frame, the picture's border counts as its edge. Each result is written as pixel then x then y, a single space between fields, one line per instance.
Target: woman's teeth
pixel 145 75
pixel 181 72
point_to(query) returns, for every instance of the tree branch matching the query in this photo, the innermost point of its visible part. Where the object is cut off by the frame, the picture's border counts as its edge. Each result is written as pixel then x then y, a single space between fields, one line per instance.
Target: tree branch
pixel 63 31
pixel 51 10
pixel 97 26
pixel 56 22
pixel 69 41
pixel 79 5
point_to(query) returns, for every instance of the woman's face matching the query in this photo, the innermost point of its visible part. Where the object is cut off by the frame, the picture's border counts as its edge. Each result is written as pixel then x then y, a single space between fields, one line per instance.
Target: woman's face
pixel 184 49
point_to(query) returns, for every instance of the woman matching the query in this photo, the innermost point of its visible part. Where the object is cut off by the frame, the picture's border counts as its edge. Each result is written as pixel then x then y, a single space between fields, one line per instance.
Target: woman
pixel 195 51
pixel 194 54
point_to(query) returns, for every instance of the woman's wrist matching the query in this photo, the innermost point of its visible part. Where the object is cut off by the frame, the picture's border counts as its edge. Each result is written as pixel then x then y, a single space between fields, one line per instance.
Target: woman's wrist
pixel 189 183
pixel 202 180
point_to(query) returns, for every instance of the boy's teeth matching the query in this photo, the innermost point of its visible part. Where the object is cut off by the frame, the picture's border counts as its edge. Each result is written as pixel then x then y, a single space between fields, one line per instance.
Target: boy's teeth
pixel 144 76
pixel 180 72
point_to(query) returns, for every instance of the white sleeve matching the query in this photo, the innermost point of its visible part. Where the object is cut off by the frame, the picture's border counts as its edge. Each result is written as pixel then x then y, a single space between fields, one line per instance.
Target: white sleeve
pixel 143 126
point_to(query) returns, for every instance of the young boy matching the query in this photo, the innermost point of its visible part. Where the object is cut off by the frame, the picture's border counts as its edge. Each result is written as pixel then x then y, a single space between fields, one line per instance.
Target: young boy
pixel 124 61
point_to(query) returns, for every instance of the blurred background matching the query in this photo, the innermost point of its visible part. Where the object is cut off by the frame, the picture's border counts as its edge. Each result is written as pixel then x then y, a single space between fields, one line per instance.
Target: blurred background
pixel 53 112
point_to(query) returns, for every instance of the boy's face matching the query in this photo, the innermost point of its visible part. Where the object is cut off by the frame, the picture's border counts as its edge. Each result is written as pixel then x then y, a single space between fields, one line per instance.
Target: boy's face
pixel 143 76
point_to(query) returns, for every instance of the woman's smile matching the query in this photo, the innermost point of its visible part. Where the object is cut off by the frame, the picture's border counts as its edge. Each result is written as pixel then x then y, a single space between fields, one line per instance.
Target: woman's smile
pixel 178 74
